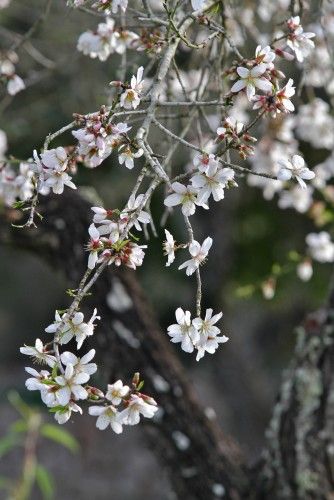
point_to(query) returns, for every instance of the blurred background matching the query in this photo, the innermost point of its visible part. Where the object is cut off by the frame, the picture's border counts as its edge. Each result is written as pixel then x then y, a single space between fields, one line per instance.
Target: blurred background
pixel 241 381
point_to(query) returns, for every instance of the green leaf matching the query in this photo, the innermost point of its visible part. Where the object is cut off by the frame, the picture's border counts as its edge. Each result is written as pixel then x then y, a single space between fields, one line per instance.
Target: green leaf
pixel 45 482
pixel 140 385
pixel 18 403
pixel 60 436
pixel 8 442
pixel 19 426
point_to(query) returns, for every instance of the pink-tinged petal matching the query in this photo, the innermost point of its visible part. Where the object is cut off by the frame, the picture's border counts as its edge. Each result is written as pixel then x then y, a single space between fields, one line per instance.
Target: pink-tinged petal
pixel 263 84
pixel 93 232
pixel 258 70
pixel 243 72
pixel 92 260
pixel 239 85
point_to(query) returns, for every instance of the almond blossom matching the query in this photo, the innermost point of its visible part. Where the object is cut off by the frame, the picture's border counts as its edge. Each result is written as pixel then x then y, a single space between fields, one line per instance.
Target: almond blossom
pixel 126 156
pixel 295 169
pixel 74 327
pixel 187 196
pixel 199 254
pixel 183 331
pixel 39 353
pixel 299 41
pixel 93 246
pixel 320 246
pixel 169 248
pixel 251 79
pixel 69 385
pixel 212 181
pixel 130 99
pixel 107 416
pixel 132 208
pixel 209 339
pixel 136 406
pixel 80 365
pixel 116 392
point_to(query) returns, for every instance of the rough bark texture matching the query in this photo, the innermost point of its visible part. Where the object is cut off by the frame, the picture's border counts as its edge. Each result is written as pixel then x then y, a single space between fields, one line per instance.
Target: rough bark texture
pixel 298 463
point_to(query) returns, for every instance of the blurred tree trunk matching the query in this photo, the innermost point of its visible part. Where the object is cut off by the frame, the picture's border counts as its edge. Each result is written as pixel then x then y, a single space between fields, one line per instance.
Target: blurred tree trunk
pixel 203 463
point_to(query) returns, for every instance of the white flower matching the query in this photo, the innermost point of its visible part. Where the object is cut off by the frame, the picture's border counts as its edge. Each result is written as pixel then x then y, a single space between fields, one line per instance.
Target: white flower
pixel 169 248
pixel 80 365
pixel 212 182
pixel 185 196
pixel 69 385
pixel 75 327
pixel 297 198
pixel 127 155
pixel 99 44
pixel 278 102
pixel 298 40
pixel 321 247
pixel 305 270
pixel 250 78
pixel 116 392
pixel 130 99
pixel 264 55
pixel 63 415
pixel 295 168
pixel 132 206
pixel 203 161
pixel 131 255
pixel 15 84
pixel 206 326
pixel 138 406
pixel 197 4
pixel 209 334
pixel 39 353
pixel 183 331
pixel 209 345
pixel 107 415
pixel 93 246
pixel 35 383
pixel 52 167
pixel 198 253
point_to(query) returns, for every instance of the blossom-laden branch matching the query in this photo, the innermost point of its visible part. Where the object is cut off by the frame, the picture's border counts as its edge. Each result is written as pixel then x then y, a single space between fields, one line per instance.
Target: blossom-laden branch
pixel 257 80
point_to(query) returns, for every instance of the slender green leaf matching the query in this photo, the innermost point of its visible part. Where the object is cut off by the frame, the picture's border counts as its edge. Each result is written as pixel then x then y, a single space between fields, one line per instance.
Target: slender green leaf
pixel 45 482
pixel 60 436
pixel 8 442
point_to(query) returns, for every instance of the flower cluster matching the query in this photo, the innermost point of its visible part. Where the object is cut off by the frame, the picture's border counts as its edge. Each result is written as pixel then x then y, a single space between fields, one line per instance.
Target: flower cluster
pixel 106 40
pixel 52 171
pixel 236 137
pixel 198 334
pixel 106 241
pixel 298 40
pixel 63 387
pixel 8 76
